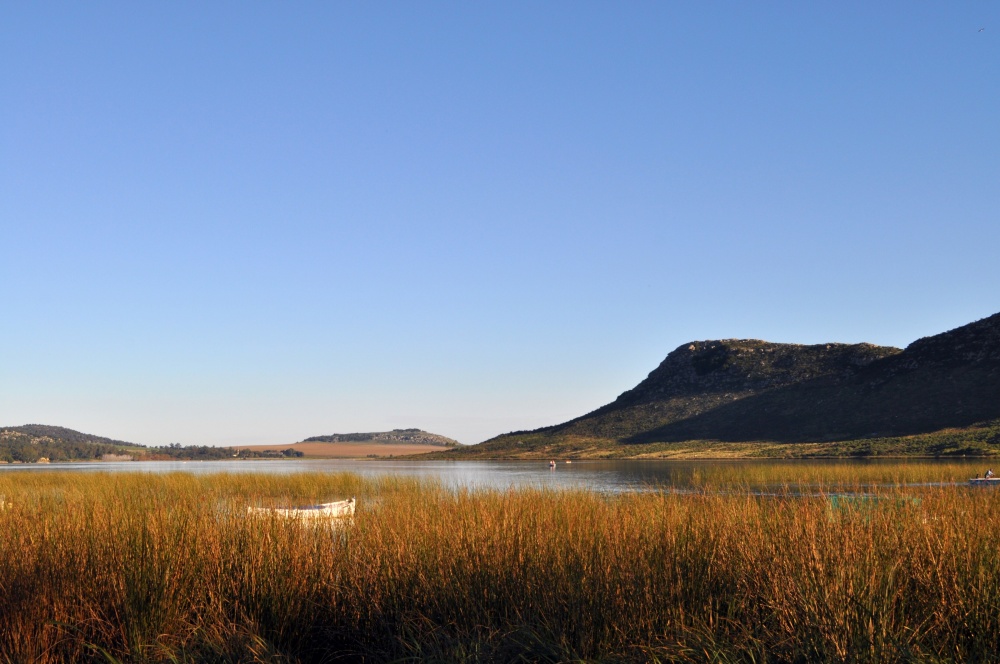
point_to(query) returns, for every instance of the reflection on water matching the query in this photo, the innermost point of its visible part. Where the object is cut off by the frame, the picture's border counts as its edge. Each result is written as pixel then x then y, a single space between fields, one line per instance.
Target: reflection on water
pixel 603 476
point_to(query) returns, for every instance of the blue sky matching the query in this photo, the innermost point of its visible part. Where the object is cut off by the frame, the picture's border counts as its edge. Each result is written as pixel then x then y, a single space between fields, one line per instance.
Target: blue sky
pixel 254 222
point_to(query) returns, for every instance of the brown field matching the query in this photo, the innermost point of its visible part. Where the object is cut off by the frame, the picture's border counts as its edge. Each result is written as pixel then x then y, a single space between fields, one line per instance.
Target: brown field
pixel 348 450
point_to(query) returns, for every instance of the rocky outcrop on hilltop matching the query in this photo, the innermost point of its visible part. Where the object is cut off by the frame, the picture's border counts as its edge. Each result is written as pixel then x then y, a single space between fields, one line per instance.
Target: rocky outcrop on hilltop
pixel 974 344
pixel 748 366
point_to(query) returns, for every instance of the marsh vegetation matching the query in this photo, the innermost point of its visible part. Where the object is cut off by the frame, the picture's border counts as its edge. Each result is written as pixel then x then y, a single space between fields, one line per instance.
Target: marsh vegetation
pixel 129 567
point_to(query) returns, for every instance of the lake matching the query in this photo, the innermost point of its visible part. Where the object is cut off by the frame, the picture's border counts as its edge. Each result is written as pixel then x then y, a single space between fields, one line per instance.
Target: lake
pixel 602 476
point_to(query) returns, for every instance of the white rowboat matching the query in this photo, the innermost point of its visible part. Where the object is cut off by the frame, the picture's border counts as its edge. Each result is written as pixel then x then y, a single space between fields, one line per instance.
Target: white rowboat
pixel 341 510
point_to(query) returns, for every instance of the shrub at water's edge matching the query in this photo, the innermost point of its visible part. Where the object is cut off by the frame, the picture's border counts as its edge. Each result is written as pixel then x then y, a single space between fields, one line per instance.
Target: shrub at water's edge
pixel 166 568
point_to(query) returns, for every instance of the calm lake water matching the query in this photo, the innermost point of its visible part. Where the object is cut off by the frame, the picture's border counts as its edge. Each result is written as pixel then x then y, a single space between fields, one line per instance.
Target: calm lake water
pixel 604 476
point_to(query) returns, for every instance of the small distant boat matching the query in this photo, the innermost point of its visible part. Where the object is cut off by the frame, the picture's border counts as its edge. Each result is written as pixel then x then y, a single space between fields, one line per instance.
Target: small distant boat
pixel 985 481
pixel 569 461
pixel 340 510
pixel 552 464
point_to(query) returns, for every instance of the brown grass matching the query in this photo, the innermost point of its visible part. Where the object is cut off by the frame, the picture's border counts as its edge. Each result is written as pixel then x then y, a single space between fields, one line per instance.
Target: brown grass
pixel 166 568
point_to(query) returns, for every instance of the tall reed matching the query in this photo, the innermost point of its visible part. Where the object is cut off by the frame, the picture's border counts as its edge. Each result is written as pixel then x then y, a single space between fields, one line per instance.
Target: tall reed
pixel 170 568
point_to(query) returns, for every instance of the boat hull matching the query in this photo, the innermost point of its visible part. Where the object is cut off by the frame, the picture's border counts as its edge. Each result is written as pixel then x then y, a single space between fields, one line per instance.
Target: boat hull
pixel 340 510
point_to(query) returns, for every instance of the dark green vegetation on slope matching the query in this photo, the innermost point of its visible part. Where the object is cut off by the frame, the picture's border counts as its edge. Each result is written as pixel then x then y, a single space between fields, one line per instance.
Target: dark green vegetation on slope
pixel 132 567
pixel 33 442
pixel 941 395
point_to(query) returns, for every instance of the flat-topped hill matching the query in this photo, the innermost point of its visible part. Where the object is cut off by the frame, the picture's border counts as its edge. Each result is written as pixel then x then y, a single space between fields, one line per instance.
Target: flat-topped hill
pixel 748 391
pixel 394 437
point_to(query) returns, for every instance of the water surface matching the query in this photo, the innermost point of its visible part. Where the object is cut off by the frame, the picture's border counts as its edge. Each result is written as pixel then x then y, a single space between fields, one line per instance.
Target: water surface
pixel 603 476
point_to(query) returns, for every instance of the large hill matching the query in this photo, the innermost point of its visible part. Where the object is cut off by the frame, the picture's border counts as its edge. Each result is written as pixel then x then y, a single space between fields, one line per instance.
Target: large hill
pixel 940 391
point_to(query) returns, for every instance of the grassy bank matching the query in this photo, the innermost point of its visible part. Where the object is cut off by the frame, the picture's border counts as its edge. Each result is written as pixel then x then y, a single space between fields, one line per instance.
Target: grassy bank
pixel 980 440
pixel 167 568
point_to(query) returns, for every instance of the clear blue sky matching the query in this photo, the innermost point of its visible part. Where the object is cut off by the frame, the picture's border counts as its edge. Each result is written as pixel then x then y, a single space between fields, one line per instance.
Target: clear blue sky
pixel 253 222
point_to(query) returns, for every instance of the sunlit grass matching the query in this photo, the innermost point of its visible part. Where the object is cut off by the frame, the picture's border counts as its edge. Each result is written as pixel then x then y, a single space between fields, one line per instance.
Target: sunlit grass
pixel 830 474
pixel 167 568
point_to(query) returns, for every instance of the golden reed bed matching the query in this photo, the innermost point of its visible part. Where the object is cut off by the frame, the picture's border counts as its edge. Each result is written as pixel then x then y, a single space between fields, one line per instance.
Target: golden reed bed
pixel 116 567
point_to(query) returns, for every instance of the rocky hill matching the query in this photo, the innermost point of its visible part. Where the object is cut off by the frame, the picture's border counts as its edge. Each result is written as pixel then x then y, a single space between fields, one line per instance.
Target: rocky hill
pixel 704 376
pixel 739 391
pixel 395 437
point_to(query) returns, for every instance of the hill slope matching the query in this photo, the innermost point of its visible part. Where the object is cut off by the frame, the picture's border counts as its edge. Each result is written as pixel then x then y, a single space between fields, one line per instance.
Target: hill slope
pixel 739 391
pixel 32 443
pixel 706 376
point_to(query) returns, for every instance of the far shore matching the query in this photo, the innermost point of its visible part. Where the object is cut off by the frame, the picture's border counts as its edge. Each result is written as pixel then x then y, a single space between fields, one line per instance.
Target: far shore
pixel 347 450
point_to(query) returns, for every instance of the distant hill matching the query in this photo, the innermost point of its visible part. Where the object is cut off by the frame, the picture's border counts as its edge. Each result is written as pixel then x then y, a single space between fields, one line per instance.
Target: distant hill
pixel 394 437
pixel 31 443
pixel 750 391
pixel 42 432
